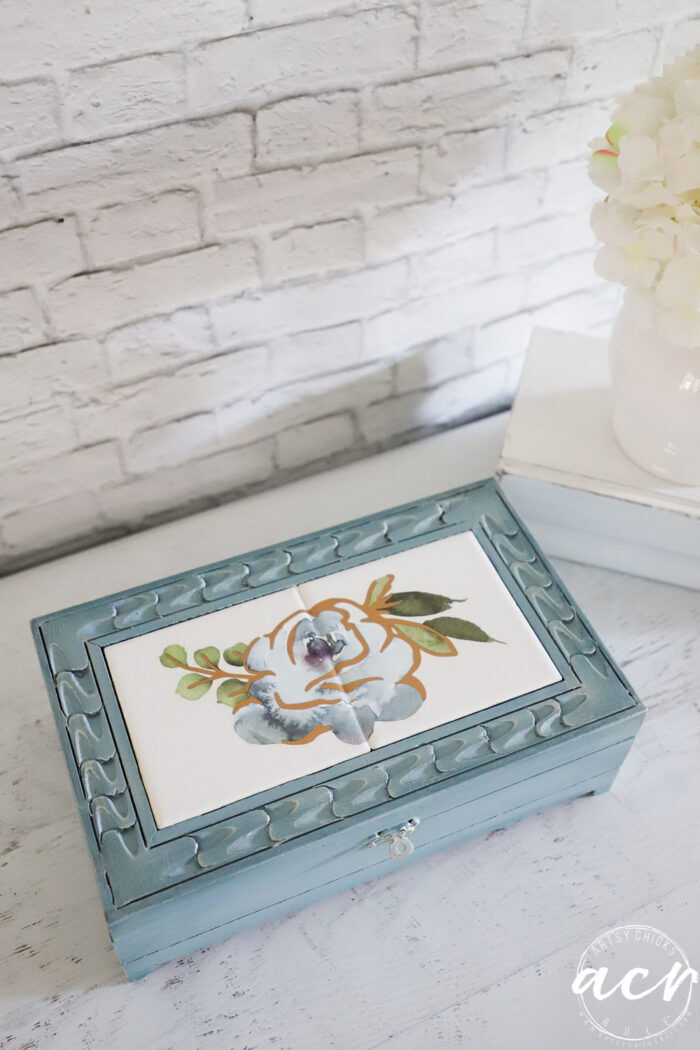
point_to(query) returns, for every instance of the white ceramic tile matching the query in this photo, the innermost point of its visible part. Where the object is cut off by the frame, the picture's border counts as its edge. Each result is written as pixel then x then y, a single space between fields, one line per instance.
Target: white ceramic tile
pixel 197 755
pixel 403 689
pixel 330 669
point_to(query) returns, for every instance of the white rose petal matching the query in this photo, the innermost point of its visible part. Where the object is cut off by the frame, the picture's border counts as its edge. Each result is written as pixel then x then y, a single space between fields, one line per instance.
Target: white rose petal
pixel 658 243
pixel 680 283
pixel 688 236
pixel 687 213
pixel 687 97
pixel 629 265
pixel 612 223
pixel 673 141
pixel 643 114
pixel 683 175
pixel 692 126
pixel 639 158
pixel 643 195
pixel 603 170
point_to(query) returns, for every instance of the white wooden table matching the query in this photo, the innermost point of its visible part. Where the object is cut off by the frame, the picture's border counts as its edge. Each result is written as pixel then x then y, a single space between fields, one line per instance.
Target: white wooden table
pixel 473 947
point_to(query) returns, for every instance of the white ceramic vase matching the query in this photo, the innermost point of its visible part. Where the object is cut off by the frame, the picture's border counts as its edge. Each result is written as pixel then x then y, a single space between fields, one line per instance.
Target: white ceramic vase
pixel 656 398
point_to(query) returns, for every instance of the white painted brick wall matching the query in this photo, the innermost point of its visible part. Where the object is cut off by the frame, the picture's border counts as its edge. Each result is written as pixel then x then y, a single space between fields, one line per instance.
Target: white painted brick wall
pixel 44 252
pixel 125 95
pixel 240 239
pixel 123 233
pixel 308 194
pixel 295 59
pixel 308 128
pixel 301 355
pixel 95 302
pixel 131 167
pixel 29 114
pixel 159 345
pixel 21 322
pixel 315 249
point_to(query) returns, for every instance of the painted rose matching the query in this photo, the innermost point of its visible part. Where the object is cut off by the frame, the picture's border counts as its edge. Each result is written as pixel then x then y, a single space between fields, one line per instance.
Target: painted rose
pixel 334 668
pixel 338 667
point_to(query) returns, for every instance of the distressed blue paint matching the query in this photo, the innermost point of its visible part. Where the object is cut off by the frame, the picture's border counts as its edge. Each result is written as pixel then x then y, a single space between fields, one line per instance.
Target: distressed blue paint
pixel 286 846
pixel 300 871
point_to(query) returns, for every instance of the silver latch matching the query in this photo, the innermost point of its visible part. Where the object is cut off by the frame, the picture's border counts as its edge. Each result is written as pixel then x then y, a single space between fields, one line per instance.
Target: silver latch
pixel 398 841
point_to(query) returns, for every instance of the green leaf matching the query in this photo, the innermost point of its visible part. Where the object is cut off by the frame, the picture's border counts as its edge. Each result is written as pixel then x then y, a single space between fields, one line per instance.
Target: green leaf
pixel 419 603
pixel 378 589
pixel 235 654
pixel 427 639
pixel 173 655
pixel 192 686
pixel 207 657
pixel 232 692
pixel 453 627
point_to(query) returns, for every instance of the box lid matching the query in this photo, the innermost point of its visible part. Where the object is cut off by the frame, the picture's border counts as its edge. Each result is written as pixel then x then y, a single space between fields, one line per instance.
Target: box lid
pixel 333 673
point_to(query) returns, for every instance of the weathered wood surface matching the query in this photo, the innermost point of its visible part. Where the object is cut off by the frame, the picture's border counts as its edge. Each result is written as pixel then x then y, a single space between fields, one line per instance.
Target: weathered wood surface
pixel 472 947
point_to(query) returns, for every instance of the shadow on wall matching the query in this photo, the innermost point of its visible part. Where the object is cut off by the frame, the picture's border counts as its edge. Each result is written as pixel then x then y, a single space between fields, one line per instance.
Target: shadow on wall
pixel 256 415
pixel 275 436
pixel 349 301
pixel 272 436
pixel 369 407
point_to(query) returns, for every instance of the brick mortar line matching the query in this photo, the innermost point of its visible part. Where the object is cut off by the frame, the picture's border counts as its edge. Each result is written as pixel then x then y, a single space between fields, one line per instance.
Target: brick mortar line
pixel 209 113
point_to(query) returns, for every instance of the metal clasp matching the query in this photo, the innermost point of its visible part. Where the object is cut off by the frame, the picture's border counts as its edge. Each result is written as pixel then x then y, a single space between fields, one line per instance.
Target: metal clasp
pixel 399 843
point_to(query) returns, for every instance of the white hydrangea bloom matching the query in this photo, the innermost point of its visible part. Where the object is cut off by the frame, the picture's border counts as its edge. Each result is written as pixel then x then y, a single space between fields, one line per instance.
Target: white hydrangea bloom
pixel 680 283
pixel 648 164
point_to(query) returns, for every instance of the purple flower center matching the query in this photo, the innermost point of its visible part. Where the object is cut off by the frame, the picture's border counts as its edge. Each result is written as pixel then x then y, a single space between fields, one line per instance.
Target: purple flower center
pixel 319 649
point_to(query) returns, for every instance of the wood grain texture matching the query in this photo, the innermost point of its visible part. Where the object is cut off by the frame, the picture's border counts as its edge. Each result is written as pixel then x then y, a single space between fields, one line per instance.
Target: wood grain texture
pixel 466 948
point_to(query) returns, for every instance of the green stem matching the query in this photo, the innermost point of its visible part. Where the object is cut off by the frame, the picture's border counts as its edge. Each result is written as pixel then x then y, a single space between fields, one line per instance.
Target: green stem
pixel 218 672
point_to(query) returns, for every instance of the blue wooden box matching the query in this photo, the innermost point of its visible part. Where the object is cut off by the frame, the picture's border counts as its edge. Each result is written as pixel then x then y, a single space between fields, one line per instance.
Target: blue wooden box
pixel 173 885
